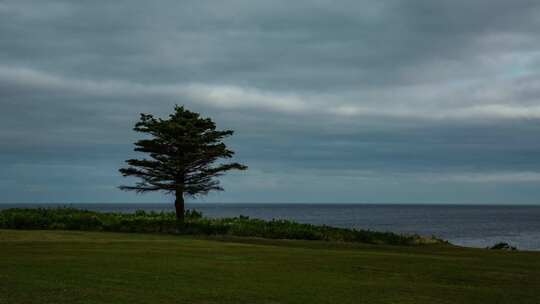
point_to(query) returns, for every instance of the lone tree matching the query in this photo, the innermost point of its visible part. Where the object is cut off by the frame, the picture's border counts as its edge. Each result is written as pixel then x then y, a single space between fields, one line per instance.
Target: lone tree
pixel 183 151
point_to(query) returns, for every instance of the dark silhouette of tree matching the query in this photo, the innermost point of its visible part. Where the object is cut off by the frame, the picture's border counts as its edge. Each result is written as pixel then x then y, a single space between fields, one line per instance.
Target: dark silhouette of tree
pixel 183 151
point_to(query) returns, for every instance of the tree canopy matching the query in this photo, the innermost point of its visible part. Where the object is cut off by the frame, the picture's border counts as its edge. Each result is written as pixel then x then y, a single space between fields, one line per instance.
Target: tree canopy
pixel 183 155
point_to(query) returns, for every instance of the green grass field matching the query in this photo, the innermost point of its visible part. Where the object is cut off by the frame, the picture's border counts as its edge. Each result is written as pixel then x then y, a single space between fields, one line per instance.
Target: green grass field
pixel 93 267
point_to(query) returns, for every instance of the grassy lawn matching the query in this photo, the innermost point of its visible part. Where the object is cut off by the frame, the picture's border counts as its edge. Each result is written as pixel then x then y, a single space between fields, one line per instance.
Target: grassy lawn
pixel 88 267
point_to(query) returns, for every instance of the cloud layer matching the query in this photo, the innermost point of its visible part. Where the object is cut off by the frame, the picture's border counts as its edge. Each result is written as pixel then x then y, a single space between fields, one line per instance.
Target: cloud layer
pixel 356 102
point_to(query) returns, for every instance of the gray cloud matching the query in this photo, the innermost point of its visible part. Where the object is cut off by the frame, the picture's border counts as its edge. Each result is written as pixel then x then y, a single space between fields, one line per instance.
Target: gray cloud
pixel 367 100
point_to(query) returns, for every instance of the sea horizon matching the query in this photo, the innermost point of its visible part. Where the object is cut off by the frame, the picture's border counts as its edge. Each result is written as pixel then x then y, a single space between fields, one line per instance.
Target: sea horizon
pixel 280 203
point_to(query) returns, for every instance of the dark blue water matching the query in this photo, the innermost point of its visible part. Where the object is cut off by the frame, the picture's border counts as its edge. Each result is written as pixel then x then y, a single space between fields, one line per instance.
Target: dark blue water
pixel 475 226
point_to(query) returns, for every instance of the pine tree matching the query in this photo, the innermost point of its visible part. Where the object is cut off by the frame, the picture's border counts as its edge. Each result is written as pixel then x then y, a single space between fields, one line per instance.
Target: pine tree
pixel 183 150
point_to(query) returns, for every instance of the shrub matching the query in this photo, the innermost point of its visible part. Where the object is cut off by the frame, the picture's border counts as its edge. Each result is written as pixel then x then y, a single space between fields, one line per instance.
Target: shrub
pixel 502 246
pixel 195 224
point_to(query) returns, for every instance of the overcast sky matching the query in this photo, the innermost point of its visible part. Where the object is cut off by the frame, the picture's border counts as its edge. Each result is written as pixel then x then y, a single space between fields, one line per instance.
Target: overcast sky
pixel 332 101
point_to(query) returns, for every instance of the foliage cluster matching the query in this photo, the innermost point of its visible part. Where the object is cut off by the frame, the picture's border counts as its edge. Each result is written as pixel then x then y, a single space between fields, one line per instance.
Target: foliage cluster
pixel 195 224
pixel 502 246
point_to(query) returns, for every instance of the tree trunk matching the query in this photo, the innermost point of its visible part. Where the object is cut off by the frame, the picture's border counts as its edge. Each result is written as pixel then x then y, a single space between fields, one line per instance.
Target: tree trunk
pixel 179 205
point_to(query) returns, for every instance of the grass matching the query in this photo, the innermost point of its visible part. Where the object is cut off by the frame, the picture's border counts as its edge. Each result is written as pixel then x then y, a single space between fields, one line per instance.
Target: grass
pixel 97 267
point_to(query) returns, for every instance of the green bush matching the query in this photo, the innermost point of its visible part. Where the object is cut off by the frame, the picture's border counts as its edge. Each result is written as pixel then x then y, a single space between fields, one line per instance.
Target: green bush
pixel 502 246
pixel 195 224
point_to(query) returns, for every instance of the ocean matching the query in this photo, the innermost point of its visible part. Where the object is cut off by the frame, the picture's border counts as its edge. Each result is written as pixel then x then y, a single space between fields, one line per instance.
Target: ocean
pixel 465 225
